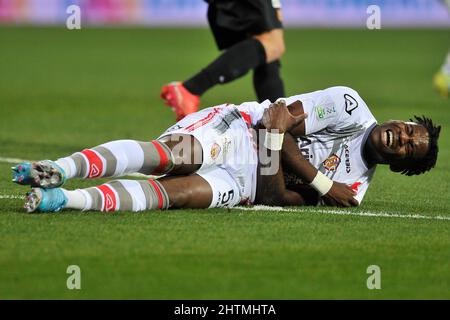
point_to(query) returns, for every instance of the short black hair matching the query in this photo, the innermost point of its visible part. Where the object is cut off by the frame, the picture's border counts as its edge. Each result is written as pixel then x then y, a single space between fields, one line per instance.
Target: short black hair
pixel 429 160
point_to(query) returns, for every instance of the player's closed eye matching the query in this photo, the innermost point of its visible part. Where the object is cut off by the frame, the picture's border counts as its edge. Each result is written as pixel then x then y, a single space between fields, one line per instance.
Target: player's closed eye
pixel 411 148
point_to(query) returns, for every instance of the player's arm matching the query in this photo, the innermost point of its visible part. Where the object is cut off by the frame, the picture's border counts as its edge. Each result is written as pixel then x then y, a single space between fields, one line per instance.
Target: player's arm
pixel 338 194
pixel 271 188
pixel 288 120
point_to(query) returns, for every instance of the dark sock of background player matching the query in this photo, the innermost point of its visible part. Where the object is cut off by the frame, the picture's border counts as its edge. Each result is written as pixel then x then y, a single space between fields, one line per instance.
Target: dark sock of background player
pixel 235 63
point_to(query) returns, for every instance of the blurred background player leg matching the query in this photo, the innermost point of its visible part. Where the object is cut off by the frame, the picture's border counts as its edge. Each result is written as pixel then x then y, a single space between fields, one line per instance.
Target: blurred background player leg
pixel 250 32
pixel 267 81
pixel 441 80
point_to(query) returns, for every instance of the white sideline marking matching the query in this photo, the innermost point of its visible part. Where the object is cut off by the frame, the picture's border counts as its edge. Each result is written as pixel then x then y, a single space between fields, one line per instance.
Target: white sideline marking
pixel 268 208
pixel 323 211
pixel 10 196
pixel 344 213
pixel 17 160
pixel 12 160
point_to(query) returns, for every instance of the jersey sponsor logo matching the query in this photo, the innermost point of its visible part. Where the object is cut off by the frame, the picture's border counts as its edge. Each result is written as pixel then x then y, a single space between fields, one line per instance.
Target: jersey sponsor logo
pixel 215 151
pixel 350 103
pixel 332 162
pixel 347 159
pixel 226 145
pixel 324 112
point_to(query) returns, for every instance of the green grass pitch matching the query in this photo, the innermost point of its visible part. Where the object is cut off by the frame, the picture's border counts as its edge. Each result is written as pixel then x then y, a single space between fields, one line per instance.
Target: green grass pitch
pixel 61 91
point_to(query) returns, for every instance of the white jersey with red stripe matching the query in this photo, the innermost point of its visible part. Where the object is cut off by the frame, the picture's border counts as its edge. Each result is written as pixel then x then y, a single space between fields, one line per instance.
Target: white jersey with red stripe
pixel 338 124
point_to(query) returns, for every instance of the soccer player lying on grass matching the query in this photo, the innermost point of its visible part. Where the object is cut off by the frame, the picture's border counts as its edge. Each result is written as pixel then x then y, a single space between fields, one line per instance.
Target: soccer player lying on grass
pixel 210 158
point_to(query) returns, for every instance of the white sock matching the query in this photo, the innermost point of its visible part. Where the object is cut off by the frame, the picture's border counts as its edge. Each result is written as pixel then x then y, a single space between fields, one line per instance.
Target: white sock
pixel 76 199
pixel 67 165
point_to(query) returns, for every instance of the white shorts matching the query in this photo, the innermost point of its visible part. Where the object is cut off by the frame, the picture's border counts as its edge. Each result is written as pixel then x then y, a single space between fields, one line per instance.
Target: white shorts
pixel 224 188
pixel 229 159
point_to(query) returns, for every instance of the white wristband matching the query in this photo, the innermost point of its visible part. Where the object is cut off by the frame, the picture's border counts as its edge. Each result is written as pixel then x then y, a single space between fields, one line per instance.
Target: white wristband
pixel 321 183
pixel 273 141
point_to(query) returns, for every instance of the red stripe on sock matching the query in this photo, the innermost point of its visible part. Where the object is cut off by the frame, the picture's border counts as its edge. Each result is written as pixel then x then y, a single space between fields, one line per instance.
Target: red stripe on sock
pixel 163 159
pixel 95 163
pixel 158 192
pixel 110 201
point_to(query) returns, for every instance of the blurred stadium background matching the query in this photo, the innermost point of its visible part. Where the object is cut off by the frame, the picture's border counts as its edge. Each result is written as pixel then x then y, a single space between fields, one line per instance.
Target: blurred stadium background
pixel 61 91
pixel 410 13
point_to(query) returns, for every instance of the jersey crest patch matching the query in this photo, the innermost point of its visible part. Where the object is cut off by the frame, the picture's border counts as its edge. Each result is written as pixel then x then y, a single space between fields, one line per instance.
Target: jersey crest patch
pixel 215 151
pixel 332 162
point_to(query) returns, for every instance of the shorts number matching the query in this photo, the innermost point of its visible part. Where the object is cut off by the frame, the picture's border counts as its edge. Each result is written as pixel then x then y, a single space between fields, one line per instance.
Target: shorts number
pixel 227 197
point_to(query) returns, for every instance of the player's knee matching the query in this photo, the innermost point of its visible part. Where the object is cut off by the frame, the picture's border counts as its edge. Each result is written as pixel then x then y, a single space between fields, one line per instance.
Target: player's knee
pixel 276 51
pixel 280 48
pixel 187 191
pixel 182 196
pixel 273 42
pixel 187 153
pixel 179 192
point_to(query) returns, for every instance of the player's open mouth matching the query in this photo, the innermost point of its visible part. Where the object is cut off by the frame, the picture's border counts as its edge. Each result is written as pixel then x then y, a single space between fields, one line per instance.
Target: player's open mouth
pixel 389 138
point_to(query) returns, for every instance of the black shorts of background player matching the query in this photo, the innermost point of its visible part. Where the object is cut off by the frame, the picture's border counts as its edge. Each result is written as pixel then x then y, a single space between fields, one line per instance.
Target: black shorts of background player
pixel 250 34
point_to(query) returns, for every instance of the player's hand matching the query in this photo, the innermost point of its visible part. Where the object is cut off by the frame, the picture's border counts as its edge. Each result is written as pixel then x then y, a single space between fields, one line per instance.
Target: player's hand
pixel 340 195
pixel 278 117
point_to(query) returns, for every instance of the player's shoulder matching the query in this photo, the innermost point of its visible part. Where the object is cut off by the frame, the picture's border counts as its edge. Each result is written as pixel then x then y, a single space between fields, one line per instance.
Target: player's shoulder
pixel 342 91
pixel 253 109
pixel 336 94
pixel 350 101
pixel 251 106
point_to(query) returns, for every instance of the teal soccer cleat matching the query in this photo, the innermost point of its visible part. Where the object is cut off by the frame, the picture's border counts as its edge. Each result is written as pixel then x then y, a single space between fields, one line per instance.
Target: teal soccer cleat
pixel 45 200
pixel 43 174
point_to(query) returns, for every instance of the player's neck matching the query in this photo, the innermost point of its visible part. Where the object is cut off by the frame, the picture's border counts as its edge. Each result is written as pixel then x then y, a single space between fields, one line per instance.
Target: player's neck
pixel 370 154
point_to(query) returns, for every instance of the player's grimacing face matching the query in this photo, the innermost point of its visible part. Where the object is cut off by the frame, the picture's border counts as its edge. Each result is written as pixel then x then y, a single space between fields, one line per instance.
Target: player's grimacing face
pixel 401 141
